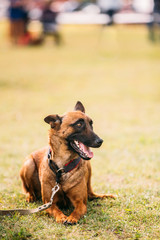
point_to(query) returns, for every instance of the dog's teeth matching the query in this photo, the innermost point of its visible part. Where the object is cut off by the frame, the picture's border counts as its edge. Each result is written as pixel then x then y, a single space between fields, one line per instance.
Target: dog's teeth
pixel 80 148
pixel 77 144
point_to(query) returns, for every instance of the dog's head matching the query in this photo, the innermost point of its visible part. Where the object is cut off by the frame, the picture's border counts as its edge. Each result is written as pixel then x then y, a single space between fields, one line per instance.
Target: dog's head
pixel 76 130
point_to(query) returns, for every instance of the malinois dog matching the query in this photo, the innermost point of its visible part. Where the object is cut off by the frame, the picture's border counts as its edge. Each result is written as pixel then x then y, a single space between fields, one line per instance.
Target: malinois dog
pixel 64 162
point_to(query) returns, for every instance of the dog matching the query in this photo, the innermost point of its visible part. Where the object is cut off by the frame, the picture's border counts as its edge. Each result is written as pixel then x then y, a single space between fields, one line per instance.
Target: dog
pixel 64 162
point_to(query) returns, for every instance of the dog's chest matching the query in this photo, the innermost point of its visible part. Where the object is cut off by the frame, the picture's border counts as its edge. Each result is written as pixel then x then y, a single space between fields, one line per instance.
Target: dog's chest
pixel 75 177
pixel 67 180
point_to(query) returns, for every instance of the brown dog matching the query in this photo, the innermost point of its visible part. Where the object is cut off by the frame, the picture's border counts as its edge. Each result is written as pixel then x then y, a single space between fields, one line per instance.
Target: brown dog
pixel 63 162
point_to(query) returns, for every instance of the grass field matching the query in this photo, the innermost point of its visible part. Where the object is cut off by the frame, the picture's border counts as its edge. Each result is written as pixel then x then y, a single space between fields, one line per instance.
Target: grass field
pixel 115 72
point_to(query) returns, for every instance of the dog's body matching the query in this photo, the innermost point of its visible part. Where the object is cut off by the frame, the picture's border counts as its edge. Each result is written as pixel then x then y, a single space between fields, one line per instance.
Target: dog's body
pixel 70 137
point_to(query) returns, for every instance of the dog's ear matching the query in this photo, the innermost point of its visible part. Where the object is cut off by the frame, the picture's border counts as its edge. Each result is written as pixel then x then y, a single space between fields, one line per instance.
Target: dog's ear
pixel 54 120
pixel 79 107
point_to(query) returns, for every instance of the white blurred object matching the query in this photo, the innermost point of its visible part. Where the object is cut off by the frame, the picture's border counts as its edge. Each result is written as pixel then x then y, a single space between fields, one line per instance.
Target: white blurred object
pixel 82 18
pixel 69 6
pixel 109 4
pixel 91 8
pixel 132 18
pixel 4 4
pixel 35 14
pixel 143 6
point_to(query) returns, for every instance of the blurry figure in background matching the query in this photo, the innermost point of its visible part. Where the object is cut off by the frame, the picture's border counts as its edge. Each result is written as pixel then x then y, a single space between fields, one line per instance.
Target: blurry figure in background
pixel 154 25
pixel 35 26
pixel 109 7
pixel 49 20
pixel 18 18
pixel 127 6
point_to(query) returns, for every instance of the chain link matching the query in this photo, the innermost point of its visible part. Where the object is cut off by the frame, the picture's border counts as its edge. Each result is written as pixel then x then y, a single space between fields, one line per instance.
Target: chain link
pixel 49 204
pixel 54 190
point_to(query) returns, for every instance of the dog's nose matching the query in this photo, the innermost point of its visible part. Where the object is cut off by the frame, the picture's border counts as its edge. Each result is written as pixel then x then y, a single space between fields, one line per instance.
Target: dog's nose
pixel 99 141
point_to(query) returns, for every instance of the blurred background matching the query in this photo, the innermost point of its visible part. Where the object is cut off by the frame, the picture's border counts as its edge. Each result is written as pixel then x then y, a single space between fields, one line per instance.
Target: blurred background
pixel 31 21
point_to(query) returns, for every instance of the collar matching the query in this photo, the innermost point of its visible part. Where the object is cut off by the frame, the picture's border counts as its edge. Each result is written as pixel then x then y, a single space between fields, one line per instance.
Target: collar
pixel 60 171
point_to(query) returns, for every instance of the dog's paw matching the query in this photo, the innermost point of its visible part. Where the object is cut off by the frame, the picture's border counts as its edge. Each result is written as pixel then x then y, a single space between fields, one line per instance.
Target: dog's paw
pixel 61 219
pixel 30 198
pixel 70 221
pixel 109 196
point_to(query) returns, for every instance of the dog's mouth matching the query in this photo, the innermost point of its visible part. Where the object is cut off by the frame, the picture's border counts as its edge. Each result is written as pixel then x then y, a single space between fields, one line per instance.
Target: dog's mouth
pixel 83 150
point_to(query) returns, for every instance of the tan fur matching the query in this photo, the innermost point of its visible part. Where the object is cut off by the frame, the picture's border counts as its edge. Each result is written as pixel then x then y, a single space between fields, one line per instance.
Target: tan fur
pixel 38 179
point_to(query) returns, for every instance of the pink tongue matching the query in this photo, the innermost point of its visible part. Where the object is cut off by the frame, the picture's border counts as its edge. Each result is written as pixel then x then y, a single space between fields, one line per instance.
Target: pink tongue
pixel 86 150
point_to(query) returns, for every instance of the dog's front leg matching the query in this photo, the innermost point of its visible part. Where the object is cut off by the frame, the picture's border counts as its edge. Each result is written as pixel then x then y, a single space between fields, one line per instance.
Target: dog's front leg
pixel 79 211
pixel 57 213
pixel 78 197
pixel 53 210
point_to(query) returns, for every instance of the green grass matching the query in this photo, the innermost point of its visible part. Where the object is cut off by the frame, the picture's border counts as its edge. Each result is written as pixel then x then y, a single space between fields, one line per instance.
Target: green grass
pixel 115 72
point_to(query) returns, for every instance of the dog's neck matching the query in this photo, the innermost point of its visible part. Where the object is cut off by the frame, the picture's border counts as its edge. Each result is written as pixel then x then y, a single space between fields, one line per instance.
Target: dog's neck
pixel 60 152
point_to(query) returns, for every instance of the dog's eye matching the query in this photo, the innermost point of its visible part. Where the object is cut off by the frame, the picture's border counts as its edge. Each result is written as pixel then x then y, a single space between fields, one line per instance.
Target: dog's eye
pixel 79 124
pixel 91 124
